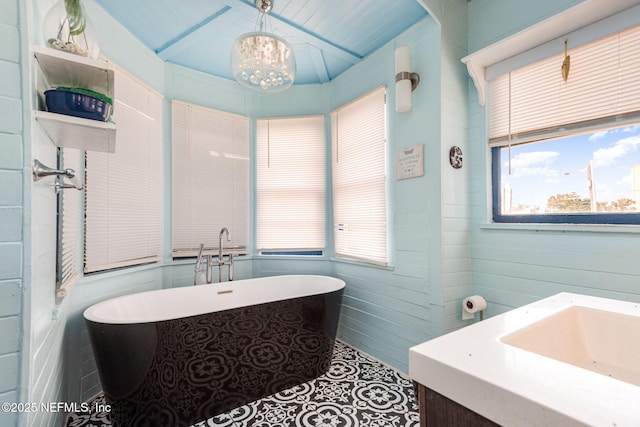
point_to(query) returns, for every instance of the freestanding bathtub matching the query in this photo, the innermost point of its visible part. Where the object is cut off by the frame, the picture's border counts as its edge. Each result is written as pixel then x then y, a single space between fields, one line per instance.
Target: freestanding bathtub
pixel 174 357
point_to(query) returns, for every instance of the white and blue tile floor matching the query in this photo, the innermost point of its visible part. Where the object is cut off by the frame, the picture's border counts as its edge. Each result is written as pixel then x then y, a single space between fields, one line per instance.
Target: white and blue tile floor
pixel 357 391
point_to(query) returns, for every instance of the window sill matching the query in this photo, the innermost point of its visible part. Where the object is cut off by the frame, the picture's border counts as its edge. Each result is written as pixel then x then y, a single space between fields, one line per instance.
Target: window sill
pixel 362 263
pixel 115 272
pixel 564 228
pixel 291 257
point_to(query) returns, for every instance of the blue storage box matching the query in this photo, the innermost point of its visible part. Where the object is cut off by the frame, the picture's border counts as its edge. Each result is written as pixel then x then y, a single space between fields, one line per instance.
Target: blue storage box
pixel 74 103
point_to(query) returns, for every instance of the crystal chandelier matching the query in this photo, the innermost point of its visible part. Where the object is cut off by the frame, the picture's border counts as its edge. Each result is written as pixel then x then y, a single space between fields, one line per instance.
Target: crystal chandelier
pixel 263 61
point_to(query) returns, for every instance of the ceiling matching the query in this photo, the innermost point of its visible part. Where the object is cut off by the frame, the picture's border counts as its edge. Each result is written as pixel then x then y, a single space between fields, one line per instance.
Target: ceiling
pixel 327 36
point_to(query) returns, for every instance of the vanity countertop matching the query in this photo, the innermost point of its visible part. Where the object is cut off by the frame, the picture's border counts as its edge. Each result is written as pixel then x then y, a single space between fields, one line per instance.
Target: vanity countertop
pixel 516 387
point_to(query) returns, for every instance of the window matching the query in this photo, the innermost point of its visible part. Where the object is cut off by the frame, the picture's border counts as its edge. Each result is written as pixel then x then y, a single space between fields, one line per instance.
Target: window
pixel 358 139
pixel 569 151
pixel 210 178
pixel 290 183
pixel 123 206
pixel 68 265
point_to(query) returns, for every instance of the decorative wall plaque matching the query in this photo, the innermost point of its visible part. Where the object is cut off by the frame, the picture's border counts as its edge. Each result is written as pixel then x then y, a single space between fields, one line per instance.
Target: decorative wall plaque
pixel 410 162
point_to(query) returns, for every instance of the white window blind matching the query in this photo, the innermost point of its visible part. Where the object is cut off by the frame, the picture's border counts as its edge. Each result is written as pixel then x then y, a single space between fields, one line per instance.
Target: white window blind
pixel 290 184
pixel 358 139
pixel 124 220
pixel 210 178
pixel 534 102
pixel 69 225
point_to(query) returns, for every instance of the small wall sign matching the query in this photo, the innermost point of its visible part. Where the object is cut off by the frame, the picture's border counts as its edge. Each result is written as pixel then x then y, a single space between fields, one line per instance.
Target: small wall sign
pixel 410 162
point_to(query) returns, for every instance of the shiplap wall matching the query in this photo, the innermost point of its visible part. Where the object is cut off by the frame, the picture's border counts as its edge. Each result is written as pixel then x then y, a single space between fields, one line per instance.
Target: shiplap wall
pixel 513 266
pixel 386 311
pixel 44 354
pixel 493 20
pixel 456 207
pixel 11 208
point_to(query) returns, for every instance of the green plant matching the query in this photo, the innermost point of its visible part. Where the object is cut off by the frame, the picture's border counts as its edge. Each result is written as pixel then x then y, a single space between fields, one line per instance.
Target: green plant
pixel 77 21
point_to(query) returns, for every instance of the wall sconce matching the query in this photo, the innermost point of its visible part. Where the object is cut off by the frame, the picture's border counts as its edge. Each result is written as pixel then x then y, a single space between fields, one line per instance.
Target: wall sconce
pixel 406 81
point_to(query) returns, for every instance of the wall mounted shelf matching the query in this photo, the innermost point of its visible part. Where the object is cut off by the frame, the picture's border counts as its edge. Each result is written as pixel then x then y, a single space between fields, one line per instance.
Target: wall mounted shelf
pixel 74 132
pixel 65 69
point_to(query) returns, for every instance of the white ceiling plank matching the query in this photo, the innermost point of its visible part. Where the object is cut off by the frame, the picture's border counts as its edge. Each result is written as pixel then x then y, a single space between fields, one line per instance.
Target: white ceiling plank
pixel 189 37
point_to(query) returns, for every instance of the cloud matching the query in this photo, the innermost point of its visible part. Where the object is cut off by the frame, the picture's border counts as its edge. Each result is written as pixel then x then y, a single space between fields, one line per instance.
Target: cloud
pixel 626 180
pixel 608 156
pixel 598 135
pixel 535 163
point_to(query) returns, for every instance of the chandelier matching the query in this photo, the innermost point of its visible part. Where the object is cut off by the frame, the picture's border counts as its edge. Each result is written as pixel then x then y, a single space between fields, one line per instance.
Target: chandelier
pixel 261 60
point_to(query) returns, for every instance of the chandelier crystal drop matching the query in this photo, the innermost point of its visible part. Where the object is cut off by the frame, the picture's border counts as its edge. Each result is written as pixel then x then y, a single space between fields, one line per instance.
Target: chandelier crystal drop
pixel 263 61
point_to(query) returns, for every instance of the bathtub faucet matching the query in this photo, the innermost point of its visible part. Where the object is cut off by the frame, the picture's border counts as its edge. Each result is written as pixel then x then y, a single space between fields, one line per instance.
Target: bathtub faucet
pixel 221 261
pixel 197 272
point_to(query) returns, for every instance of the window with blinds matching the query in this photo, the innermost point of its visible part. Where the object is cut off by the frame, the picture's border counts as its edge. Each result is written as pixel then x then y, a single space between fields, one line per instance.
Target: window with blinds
pixel 534 103
pixel 569 151
pixel 123 190
pixel 210 178
pixel 358 140
pixel 290 185
pixel 68 265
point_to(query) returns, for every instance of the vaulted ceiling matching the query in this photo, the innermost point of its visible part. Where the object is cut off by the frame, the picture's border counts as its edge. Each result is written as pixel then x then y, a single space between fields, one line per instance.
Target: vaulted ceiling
pixel 327 36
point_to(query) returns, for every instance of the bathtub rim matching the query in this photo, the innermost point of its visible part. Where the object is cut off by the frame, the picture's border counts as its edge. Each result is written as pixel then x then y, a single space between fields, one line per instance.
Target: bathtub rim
pixel 330 284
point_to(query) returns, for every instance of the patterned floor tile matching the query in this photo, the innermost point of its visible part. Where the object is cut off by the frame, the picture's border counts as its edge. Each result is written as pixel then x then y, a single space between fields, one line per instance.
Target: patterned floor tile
pixel 357 391
pixel 90 419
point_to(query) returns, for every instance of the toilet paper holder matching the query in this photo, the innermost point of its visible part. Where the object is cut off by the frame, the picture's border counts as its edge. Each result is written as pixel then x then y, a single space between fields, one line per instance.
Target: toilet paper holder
pixel 471 305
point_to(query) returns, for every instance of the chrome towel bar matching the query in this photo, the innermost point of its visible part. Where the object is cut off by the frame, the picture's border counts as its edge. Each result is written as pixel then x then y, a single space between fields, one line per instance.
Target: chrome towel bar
pixel 40 171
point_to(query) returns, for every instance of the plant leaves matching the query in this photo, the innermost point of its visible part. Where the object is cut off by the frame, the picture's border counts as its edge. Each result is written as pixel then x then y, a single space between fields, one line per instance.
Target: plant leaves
pixel 75 15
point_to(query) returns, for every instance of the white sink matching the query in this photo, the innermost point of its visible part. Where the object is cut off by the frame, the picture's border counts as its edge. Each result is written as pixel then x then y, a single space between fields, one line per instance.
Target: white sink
pixel 601 341
pixel 567 360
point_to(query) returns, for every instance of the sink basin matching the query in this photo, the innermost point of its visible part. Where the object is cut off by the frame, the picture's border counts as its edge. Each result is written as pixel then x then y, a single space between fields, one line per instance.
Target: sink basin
pixel 567 360
pixel 598 340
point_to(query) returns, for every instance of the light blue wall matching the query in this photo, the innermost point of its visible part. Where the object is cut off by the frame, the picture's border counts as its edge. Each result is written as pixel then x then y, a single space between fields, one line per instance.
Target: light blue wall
pixel 12 234
pixel 385 311
pixel 512 266
pixel 493 20
pixel 455 243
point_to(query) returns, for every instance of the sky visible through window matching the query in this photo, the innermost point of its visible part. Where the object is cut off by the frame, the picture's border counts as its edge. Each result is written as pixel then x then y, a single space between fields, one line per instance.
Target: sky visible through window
pixel 559 167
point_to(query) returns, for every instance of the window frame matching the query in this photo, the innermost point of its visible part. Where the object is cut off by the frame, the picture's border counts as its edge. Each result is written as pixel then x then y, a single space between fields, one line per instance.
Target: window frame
pixel 280 124
pixel 337 225
pixel 588 34
pixel 103 169
pixel 197 133
pixel 565 218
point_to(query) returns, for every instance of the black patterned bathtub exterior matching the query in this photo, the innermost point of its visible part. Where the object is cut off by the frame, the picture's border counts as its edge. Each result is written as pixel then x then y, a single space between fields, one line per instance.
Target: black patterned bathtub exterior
pixel 178 372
